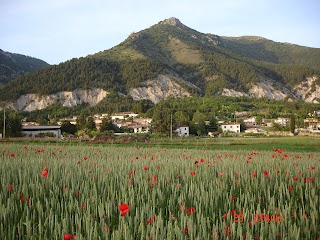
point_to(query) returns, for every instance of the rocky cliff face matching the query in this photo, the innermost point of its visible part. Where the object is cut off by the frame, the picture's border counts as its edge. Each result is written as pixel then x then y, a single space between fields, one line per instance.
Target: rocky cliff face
pixel 307 91
pixel 165 86
pixel 161 88
pixel 31 102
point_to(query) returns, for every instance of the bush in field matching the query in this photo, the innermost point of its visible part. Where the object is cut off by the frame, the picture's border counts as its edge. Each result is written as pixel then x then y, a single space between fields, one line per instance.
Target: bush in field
pixel 91 192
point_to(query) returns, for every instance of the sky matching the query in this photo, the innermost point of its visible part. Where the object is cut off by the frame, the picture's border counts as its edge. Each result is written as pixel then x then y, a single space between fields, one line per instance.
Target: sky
pixel 58 30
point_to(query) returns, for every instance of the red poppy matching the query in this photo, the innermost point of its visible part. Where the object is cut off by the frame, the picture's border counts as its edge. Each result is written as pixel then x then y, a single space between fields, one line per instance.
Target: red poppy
pixel 145 168
pixel 221 174
pixel 12 154
pixel 21 198
pixel 44 172
pixel 290 189
pixel 266 173
pixel 124 208
pixel 10 187
pixel 68 236
pixel 193 173
pixel 186 230
pixel 202 160
pixel 254 174
pixel 308 180
pixel 233 198
pixel 295 178
pixel 190 211
pixel 313 168
pixel 151 220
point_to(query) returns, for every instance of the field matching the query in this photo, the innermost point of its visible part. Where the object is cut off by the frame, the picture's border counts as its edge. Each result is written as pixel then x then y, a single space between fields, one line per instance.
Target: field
pixel 95 191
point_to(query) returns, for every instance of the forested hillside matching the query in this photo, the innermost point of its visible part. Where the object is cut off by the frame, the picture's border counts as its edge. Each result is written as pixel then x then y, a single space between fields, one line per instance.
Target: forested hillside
pixel 13 65
pixel 204 64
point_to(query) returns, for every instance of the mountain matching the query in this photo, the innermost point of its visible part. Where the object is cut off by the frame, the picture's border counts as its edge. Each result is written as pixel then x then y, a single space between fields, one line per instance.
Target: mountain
pixel 13 65
pixel 170 59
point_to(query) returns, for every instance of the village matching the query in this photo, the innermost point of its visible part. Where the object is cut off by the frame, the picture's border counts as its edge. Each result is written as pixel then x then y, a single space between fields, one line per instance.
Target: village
pixel 131 123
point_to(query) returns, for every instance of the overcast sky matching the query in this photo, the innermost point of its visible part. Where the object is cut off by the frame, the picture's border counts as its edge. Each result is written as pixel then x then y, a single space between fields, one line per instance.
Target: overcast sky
pixel 59 30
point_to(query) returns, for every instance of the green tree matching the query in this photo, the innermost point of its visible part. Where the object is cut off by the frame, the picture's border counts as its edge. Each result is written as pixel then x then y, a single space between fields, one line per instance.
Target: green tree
pixel 90 124
pixel 181 118
pixel 67 127
pixel 292 123
pixel 107 125
pixel 161 120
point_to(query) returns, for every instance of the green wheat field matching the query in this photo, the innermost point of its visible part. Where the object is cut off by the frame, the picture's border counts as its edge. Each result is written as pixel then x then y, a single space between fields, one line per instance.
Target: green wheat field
pixel 56 191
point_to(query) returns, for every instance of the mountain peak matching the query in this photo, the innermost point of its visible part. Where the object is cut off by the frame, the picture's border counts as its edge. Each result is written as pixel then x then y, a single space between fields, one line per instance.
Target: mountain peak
pixel 172 21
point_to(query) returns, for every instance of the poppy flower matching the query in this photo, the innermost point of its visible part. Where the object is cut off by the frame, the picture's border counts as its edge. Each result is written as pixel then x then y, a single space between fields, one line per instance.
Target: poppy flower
pixel 266 173
pixel 145 168
pixel 44 172
pixel 233 198
pixel 151 220
pixel 193 173
pixel 124 208
pixel 254 174
pixel 68 236
pixel 186 230
pixel 190 211
pixel 221 174
pixel 12 154
pixel 10 187
pixel 290 189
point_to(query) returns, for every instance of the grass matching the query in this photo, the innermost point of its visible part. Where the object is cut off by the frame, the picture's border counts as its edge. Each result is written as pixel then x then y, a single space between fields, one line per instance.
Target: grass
pixel 292 144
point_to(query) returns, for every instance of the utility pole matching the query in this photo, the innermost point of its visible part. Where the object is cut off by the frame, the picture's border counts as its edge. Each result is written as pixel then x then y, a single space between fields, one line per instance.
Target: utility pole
pixel 4 123
pixel 171 127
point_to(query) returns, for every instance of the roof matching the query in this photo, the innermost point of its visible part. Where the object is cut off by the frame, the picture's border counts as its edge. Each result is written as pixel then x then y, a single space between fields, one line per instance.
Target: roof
pixel 41 127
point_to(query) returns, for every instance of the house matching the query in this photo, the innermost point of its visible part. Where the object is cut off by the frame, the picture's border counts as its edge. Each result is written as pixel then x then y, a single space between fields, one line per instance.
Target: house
pixel 230 127
pixel 250 121
pixel 282 121
pixel 123 115
pixel 41 131
pixel 311 123
pixel 182 131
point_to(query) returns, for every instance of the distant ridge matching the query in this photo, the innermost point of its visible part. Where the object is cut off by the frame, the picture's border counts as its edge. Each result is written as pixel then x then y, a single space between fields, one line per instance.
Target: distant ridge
pixel 13 65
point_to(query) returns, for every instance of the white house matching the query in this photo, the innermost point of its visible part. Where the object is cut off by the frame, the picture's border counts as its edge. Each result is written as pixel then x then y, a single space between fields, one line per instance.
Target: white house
pixel 183 131
pixel 250 121
pixel 231 127
pixel 282 121
pixel 123 115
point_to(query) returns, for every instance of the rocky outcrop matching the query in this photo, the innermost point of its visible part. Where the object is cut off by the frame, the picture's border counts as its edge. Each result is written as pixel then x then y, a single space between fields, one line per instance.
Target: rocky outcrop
pixel 160 88
pixel 31 102
pixel 308 90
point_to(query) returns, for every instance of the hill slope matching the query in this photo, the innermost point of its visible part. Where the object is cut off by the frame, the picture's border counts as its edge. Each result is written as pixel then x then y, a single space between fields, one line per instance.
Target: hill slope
pixel 13 65
pixel 171 59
